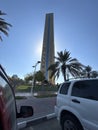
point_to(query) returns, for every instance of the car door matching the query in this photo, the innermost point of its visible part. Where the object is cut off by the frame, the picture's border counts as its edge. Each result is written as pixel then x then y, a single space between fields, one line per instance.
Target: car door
pixel 7 105
pixel 63 94
pixel 84 100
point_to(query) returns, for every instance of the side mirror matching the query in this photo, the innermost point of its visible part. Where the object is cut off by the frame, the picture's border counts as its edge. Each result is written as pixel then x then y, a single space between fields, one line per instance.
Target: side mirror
pixel 25 111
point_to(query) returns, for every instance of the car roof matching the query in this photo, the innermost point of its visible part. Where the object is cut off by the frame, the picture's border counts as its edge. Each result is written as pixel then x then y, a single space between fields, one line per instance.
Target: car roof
pixel 80 79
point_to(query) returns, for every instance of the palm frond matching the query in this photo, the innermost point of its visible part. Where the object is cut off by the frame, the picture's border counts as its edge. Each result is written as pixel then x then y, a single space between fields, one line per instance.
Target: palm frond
pixel 4 31
pixel 73 60
pixel 2 13
pixel 4 26
pixel 53 66
pixel 1 38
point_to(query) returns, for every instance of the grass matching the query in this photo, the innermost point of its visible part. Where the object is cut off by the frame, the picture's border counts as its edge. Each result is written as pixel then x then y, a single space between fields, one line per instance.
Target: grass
pixel 23 88
pixel 20 97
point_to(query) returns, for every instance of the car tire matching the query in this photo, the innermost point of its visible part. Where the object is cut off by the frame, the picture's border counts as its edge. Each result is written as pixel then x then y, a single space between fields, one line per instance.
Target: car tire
pixel 69 122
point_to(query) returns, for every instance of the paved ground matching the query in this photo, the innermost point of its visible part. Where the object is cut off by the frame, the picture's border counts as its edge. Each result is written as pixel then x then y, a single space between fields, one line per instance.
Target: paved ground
pixel 43 118
pixel 41 106
pixel 46 125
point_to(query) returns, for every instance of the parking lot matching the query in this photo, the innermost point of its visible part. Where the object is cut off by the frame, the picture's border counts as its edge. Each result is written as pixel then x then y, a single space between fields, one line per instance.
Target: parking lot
pixel 51 124
pixel 41 106
pixel 46 109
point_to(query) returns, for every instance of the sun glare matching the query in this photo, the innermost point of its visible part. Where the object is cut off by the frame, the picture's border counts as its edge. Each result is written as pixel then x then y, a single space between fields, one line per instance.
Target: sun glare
pixel 39 48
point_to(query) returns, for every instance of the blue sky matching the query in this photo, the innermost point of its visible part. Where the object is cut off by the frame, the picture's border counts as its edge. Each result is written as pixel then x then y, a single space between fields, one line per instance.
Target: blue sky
pixel 75 29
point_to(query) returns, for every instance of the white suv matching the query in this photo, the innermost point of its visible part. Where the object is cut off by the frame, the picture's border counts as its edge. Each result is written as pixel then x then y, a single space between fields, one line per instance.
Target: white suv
pixel 77 105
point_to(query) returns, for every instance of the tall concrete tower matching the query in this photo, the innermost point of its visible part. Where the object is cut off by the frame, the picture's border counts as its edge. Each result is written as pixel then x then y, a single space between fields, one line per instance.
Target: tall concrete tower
pixel 48 50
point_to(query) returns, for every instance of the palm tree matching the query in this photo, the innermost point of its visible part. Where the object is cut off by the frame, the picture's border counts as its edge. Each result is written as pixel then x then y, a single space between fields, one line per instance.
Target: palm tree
pixel 4 26
pixel 65 64
pixel 89 73
pixel 94 74
pixel 88 70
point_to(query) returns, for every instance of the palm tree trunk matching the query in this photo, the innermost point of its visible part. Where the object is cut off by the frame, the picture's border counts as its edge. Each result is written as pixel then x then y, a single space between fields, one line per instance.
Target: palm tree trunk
pixel 88 75
pixel 64 72
pixel 64 77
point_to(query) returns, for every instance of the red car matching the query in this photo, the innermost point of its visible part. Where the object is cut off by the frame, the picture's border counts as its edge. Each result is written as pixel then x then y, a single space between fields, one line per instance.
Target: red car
pixel 8 110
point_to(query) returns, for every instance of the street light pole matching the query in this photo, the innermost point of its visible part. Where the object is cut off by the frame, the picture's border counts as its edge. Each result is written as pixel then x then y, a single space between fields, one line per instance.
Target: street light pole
pixel 34 77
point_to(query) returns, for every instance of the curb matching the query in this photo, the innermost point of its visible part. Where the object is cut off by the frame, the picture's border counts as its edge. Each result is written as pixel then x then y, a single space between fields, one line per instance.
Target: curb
pixel 35 121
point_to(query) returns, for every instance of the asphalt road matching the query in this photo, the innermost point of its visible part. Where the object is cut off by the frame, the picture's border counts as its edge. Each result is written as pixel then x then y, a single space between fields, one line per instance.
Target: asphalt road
pixel 51 124
pixel 41 106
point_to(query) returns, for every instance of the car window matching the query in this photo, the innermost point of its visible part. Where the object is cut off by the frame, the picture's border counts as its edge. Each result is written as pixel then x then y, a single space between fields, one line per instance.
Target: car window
pixel 7 105
pixel 86 89
pixel 64 88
